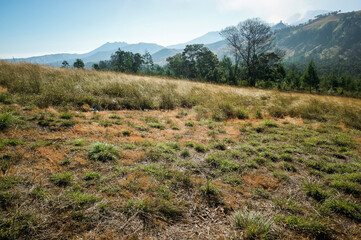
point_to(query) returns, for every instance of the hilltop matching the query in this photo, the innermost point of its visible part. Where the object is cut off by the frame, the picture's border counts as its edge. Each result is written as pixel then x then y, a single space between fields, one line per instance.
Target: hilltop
pixel 103 155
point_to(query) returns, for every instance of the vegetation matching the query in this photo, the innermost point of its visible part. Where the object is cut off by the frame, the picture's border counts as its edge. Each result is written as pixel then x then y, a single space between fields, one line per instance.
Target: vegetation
pixel 294 171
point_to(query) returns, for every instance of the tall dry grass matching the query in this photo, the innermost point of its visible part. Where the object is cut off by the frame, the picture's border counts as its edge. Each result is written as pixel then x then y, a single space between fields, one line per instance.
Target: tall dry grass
pixel 47 86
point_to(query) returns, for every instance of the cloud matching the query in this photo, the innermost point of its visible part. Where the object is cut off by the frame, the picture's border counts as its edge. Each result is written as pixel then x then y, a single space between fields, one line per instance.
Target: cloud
pixel 271 11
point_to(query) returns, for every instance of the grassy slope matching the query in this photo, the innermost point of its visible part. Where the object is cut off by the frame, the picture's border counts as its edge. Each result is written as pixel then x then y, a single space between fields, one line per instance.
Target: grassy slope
pixel 173 173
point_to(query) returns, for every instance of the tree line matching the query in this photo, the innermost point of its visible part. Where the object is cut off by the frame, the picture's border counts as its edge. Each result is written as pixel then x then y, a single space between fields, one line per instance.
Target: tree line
pixel 254 62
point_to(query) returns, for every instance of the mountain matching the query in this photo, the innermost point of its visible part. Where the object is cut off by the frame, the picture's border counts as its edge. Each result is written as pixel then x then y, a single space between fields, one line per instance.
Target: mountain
pixel 207 38
pixel 331 39
pixel 101 53
pixel 279 26
pixel 299 18
pixel 161 56
pixel 108 47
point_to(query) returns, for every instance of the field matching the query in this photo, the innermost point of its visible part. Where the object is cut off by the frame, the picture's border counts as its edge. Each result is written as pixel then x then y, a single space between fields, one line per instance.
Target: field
pixel 100 155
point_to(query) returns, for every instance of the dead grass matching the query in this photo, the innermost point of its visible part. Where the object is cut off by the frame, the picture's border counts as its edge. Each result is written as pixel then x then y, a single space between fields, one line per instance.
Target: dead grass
pixel 134 197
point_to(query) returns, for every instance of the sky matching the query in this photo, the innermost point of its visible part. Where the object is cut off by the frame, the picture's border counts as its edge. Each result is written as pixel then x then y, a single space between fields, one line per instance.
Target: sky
pixel 38 27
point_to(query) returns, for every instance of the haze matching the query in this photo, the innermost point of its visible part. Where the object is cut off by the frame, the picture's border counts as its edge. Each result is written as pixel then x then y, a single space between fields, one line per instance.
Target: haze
pixel 30 28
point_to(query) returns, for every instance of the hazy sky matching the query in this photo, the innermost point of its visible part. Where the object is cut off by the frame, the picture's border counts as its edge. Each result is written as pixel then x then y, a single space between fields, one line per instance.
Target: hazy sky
pixel 37 27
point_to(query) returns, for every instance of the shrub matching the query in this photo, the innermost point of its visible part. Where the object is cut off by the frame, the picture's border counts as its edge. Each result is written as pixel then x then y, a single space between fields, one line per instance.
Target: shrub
pixel 62 179
pixel 101 151
pixel 253 223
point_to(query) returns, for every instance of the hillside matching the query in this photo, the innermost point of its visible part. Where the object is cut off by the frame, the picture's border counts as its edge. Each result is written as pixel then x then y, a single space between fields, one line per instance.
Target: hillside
pixel 171 159
pixel 333 41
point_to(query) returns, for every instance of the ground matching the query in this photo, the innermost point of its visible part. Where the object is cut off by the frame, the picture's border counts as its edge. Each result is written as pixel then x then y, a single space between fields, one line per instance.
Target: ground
pixel 172 174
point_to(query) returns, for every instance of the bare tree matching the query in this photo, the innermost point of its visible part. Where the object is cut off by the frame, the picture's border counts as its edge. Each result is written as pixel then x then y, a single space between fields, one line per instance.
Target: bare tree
pixel 248 39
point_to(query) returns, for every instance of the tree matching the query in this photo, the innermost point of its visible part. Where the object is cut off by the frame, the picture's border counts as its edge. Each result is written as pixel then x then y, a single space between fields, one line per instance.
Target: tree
pixel 310 76
pixel 128 62
pixel 148 62
pixel 79 64
pixel 248 39
pixel 293 79
pixel 95 66
pixel 65 64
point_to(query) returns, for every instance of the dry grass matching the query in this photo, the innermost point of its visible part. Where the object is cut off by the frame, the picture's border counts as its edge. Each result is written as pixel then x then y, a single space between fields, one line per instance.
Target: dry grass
pixel 175 183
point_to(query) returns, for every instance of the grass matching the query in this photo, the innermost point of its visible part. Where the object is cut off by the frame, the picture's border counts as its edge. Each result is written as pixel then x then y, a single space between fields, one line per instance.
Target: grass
pixel 314 190
pixel 6 120
pixel 62 179
pixel 254 224
pixel 347 208
pixel 103 152
pixel 79 178
pixel 309 226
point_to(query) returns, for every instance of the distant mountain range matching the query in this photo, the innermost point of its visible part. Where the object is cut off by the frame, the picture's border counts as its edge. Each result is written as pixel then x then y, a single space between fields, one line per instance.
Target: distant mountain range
pixel 328 37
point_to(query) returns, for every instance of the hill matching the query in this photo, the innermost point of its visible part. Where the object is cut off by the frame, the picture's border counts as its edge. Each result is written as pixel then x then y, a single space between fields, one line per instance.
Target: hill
pixel 333 41
pixel 164 158
pixel 208 38
pixel 101 53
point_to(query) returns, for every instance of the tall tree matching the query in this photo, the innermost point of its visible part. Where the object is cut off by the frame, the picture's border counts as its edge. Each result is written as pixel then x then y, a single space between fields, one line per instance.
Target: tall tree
pixel 79 64
pixel 248 39
pixel 310 76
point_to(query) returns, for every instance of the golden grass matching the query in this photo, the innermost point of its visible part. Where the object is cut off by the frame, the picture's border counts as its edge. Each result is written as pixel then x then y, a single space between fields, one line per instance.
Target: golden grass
pixel 47 86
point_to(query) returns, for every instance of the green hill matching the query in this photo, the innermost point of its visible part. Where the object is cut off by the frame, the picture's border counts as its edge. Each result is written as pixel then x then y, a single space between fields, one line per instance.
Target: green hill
pixel 333 41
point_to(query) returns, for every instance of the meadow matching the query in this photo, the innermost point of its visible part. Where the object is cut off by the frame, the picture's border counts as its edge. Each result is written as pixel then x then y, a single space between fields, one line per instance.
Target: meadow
pixel 103 155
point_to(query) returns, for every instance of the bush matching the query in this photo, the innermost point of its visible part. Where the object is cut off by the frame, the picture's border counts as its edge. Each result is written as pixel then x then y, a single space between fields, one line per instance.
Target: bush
pixel 255 225
pixel 62 179
pixel 101 151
